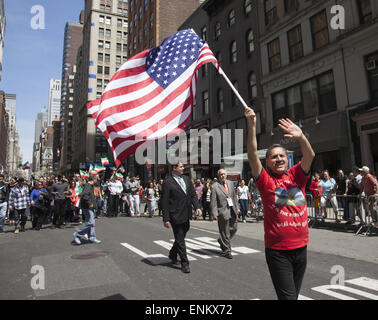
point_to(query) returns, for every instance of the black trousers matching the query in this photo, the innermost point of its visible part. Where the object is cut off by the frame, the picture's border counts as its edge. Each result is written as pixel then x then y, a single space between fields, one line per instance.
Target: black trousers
pixel 59 211
pixel 179 247
pixel 38 218
pixel 113 205
pixel 287 268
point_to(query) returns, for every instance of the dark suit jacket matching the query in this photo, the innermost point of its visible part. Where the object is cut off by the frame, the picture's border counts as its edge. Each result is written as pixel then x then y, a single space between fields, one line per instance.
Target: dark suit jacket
pixel 176 205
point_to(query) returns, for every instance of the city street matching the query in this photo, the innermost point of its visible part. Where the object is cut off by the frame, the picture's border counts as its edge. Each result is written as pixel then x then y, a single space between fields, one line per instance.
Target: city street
pixel 131 263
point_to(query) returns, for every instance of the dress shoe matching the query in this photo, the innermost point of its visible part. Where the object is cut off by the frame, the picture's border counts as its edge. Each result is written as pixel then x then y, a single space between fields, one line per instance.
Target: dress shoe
pixel 228 255
pixel 185 268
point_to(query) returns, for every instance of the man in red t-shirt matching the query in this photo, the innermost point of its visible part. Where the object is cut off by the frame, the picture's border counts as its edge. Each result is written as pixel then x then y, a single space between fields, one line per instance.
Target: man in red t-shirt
pixel 285 211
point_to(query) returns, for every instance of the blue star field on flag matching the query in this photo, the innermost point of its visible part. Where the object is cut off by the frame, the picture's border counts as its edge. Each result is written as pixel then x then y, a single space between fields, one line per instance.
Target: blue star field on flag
pixel 168 61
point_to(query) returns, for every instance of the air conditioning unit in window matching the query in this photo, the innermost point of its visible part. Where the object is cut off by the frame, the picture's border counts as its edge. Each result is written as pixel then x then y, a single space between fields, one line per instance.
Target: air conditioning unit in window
pixel 371 65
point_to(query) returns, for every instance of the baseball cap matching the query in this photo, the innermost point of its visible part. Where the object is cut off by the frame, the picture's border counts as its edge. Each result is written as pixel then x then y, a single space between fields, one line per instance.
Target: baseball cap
pixel 365 169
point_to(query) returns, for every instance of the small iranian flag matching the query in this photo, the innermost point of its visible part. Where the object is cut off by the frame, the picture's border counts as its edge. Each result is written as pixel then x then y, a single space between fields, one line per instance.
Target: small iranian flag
pixel 84 174
pixel 104 161
pixel 78 196
pixel 99 168
pixel 26 166
pixel 92 170
pixel 119 176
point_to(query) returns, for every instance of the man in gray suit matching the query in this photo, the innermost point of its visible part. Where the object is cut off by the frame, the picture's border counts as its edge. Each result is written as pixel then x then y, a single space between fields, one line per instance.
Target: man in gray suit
pixel 225 207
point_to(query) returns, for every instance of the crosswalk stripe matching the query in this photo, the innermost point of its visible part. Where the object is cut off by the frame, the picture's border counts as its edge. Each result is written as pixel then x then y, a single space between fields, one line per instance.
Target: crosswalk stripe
pixel 168 246
pixel 365 283
pixel 190 247
pixel 301 297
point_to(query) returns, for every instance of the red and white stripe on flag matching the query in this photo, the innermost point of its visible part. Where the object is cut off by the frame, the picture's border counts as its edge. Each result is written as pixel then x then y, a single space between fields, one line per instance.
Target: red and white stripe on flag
pixel 151 95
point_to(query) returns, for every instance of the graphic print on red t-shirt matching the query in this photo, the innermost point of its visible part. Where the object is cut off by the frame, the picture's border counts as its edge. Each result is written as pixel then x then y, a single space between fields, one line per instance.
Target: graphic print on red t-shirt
pixel 285 210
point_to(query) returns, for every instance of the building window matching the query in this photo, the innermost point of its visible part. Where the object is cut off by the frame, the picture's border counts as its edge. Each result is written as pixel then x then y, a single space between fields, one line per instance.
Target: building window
pixel 247 6
pixel 220 59
pixel 233 52
pixel 372 70
pixel 218 30
pixel 327 95
pixel 310 98
pixel 220 104
pixel 99 69
pixel 118 59
pixel 279 107
pixel 252 85
pixel 274 55
pixel 106 70
pixel 100 44
pixel 231 18
pixel 234 99
pixel 307 99
pixel 204 33
pixel 101 19
pixel 365 11
pixel 100 56
pixel 108 33
pixel 205 70
pixel 205 102
pixel 151 20
pixel 107 44
pixel 119 22
pixel 270 11
pixel 319 30
pixel 295 43
pixel 194 109
pixel 250 41
pixel 119 34
pixel 101 32
pixel 107 57
pixel 99 84
pixel 290 5
pixel 108 20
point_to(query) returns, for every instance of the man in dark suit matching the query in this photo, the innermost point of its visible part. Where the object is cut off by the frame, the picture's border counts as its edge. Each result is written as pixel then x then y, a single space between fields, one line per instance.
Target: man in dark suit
pixel 225 207
pixel 176 202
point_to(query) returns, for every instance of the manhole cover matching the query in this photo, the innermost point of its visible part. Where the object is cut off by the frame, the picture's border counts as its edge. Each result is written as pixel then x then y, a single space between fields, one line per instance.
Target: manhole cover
pixel 90 255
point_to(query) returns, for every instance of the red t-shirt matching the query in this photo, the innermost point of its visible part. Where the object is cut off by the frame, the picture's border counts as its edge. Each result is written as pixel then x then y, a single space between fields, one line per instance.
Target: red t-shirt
pixel 285 209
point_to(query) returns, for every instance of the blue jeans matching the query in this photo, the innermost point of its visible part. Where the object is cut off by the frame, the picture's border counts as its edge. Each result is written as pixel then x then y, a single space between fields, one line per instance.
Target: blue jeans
pixel 3 212
pixel 243 207
pixel 88 226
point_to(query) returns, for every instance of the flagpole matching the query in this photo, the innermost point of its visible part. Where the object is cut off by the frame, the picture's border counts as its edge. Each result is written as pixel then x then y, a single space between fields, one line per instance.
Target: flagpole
pixel 221 72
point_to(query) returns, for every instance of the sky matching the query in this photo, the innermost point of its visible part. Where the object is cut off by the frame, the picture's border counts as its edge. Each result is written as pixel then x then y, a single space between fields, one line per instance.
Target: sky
pixel 34 56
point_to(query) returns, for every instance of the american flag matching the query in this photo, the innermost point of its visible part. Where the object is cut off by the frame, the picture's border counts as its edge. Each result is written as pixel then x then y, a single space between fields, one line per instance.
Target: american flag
pixel 151 95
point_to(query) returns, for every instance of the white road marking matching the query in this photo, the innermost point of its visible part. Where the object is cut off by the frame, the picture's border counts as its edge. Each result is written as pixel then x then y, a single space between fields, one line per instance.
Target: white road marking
pixel 365 283
pixel 300 297
pixel 168 246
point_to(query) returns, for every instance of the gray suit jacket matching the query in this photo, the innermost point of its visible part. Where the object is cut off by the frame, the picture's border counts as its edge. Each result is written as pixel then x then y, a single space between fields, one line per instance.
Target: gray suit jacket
pixel 218 201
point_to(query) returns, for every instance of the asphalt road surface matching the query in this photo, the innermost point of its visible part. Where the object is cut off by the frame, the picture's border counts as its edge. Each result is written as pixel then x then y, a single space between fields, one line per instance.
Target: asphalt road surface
pixel 131 263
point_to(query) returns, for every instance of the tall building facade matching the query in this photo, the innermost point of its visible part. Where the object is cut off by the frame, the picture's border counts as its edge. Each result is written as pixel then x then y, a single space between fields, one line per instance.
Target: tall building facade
pixel 4 132
pixel 54 100
pixel 14 156
pixel 40 125
pixel 2 34
pixel 104 49
pixel 151 21
pixel 72 42
pixel 323 77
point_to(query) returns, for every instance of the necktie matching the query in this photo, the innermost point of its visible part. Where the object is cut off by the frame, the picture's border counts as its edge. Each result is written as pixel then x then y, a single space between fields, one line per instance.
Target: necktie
pixel 225 187
pixel 182 183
